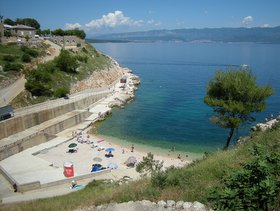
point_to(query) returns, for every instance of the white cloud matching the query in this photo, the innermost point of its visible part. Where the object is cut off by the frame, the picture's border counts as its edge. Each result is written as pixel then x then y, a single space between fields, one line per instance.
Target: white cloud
pixel 112 20
pixel 247 20
pixel 72 25
pixel 153 22
pixel 265 25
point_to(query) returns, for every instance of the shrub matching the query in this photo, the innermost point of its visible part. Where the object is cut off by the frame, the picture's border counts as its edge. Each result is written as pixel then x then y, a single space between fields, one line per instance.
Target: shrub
pixel 26 58
pixel 82 58
pixel 149 166
pixel 38 83
pixel 61 92
pixel 30 51
pixel 65 62
pixel 12 67
pixel 84 50
pixel 9 58
pixel 255 187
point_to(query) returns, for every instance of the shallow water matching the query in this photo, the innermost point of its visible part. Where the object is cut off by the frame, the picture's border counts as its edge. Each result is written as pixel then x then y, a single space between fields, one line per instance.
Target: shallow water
pixel 168 109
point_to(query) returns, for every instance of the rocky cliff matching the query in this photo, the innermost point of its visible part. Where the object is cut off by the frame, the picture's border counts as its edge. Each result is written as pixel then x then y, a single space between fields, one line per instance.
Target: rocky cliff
pixel 100 78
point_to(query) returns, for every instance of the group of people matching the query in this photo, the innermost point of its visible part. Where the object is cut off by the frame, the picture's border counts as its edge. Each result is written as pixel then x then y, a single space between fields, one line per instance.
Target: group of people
pixel 81 137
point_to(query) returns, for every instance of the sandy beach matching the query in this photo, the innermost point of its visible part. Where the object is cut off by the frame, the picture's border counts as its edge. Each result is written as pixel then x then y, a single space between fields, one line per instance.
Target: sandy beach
pixel 93 150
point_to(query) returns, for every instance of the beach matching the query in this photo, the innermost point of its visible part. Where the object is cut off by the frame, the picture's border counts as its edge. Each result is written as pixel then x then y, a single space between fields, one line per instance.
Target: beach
pixel 93 151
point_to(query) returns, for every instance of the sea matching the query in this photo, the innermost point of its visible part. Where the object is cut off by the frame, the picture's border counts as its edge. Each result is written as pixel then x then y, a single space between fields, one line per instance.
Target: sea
pixel 168 109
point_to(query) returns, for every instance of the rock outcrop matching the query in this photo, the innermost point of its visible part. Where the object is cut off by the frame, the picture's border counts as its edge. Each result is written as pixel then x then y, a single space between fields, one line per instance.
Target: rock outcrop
pixel 100 78
pixel 267 125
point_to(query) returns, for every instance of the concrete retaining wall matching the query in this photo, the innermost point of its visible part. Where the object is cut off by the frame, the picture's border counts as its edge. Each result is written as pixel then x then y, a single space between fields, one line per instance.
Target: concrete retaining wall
pixel 18 124
pixel 23 144
pixel 42 136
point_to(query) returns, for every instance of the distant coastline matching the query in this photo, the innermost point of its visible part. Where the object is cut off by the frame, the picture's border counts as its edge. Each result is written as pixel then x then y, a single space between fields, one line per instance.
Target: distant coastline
pixel 269 35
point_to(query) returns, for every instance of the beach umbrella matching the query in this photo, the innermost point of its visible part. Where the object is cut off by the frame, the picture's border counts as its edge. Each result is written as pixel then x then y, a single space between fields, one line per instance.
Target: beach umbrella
pixel 131 160
pixel 72 145
pixel 97 159
pixel 112 166
pixel 109 149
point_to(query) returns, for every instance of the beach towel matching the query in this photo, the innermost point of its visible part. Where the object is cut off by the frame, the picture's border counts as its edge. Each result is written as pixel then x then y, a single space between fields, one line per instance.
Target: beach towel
pixel 77 187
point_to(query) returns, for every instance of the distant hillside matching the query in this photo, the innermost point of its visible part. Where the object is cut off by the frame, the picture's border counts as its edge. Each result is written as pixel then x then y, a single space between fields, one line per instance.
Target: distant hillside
pixel 257 35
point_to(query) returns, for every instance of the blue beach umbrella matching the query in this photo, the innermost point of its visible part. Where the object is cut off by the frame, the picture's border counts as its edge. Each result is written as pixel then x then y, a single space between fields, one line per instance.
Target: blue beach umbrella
pixel 109 149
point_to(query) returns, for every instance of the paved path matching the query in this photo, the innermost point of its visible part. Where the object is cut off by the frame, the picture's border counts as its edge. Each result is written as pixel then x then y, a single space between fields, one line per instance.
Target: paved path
pixel 55 51
pixel 9 93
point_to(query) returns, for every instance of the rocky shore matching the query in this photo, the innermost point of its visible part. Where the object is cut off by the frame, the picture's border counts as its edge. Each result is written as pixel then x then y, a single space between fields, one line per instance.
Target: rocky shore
pixel 268 124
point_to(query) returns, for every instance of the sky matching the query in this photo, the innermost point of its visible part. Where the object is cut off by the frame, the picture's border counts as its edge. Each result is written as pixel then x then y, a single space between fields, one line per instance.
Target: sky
pixel 115 16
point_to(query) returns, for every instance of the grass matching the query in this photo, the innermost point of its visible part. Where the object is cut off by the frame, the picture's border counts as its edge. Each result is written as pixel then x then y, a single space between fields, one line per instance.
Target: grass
pixel 190 183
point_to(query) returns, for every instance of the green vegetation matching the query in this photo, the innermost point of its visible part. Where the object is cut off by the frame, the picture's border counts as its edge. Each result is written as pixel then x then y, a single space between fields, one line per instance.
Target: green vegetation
pixel 149 166
pixel 53 79
pixel 76 32
pixel 13 58
pixel 220 180
pixel 234 96
pixel 254 187
pixel 24 21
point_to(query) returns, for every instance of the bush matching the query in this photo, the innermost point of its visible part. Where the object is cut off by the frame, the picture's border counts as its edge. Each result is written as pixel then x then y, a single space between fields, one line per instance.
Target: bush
pixel 26 58
pixel 38 83
pixel 255 187
pixel 30 51
pixel 84 50
pixel 83 59
pixel 9 58
pixel 65 62
pixel 61 92
pixel 13 67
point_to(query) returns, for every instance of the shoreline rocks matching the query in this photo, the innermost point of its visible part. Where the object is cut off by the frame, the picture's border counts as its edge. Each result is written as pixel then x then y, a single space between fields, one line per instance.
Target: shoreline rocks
pixel 267 125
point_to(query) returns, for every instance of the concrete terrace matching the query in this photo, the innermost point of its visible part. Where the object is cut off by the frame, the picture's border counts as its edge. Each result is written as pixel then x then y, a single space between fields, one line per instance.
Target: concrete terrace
pixel 30 172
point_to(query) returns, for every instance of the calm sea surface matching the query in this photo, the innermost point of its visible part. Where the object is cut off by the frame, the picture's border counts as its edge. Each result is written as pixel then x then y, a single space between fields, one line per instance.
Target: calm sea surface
pixel 168 109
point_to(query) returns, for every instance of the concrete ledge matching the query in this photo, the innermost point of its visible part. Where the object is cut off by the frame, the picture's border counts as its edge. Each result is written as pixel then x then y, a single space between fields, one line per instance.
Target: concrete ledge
pixel 8 177
pixel 77 178
pixel 28 186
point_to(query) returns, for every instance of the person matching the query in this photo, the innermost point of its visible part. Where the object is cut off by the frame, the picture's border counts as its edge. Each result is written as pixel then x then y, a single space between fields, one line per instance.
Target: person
pixel 123 151
pixel 73 184
pixel 179 156
pixel 132 148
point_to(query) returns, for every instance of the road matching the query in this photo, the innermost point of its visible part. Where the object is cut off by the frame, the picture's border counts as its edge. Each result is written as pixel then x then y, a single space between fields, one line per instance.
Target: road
pixel 7 94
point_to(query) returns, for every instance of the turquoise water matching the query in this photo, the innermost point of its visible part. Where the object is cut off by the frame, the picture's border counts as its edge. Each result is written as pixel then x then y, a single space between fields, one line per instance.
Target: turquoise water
pixel 168 109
